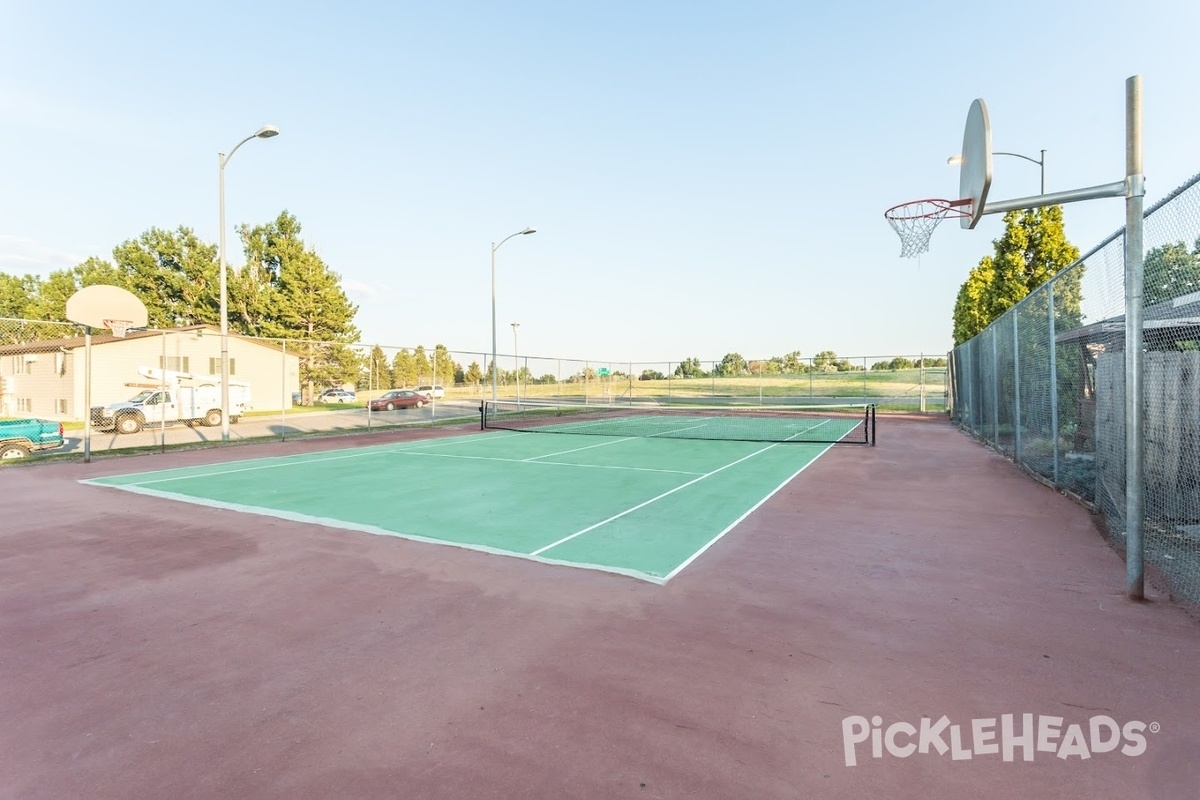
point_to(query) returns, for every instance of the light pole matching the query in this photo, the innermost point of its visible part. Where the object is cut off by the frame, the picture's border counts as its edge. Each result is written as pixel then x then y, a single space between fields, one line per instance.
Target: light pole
pixel 1042 163
pixel 265 132
pixel 516 362
pixel 496 247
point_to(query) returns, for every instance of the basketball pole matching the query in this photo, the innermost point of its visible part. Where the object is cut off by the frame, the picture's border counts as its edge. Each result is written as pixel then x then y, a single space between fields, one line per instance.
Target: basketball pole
pixel 1134 285
pixel 87 394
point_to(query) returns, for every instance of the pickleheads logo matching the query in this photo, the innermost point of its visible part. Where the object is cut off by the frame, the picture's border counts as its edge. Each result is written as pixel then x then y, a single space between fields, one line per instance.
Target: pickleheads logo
pixel 1030 734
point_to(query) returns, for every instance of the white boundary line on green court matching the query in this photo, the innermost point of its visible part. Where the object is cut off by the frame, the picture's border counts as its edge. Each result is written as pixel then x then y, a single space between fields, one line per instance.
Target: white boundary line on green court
pixel 556 463
pixel 738 521
pixel 293 460
pixel 645 503
pixel 292 516
pixel 412 448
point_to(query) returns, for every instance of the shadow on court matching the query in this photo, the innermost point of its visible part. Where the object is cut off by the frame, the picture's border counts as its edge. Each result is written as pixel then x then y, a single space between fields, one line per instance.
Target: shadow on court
pixel 157 649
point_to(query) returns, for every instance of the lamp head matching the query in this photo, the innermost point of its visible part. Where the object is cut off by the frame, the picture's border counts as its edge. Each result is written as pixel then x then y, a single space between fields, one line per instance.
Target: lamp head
pixel 267 131
pixel 528 231
pixel 954 160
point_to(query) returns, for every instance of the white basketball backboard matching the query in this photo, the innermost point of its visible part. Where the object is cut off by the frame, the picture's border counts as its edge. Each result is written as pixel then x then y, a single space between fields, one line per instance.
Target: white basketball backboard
pixel 975 174
pixel 100 305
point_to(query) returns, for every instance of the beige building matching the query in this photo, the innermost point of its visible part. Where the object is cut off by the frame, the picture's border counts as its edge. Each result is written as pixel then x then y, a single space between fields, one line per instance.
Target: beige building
pixel 48 378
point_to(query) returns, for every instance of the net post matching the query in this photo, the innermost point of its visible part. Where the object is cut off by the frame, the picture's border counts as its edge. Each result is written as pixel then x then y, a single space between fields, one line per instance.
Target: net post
pixel 874 440
pixel 482 417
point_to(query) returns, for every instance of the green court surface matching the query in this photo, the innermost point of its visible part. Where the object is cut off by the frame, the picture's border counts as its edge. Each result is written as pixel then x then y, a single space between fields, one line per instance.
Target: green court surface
pixel 638 506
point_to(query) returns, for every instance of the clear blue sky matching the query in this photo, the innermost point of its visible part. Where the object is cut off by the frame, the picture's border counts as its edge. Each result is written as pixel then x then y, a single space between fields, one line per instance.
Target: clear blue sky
pixel 705 177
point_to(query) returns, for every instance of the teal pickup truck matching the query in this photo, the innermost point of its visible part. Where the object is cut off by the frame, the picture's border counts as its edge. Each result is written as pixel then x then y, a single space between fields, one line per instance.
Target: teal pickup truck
pixel 20 437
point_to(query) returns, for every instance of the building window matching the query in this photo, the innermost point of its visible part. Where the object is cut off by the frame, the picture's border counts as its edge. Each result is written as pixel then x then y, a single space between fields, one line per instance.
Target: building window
pixel 62 406
pixel 175 363
pixel 25 405
pixel 214 366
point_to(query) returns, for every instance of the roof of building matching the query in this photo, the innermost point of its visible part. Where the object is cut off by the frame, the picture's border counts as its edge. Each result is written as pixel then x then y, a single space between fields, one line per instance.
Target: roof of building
pixel 70 343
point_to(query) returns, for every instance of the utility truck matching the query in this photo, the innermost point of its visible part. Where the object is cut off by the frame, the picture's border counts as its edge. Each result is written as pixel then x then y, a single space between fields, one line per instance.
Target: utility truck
pixel 185 397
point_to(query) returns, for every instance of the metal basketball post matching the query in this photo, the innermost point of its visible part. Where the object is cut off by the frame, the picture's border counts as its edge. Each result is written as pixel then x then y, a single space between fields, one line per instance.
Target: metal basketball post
pixel 1134 284
pixel 915 222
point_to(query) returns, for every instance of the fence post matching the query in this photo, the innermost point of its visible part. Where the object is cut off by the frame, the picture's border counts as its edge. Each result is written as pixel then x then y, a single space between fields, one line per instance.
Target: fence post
pixel 285 389
pixel 921 373
pixel 1053 382
pixel 964 381
pixel 866 388
pixel 995 391
pixel 1016 391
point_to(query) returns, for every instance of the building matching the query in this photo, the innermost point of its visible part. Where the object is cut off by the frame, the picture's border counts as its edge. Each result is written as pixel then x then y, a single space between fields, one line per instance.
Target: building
pixel 48 378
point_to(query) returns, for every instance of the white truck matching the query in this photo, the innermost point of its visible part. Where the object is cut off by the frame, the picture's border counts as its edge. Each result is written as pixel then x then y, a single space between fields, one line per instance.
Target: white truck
pixel 176 397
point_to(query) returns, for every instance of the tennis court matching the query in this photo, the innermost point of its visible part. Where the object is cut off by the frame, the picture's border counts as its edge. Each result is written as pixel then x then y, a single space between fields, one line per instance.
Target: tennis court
pixel 642 499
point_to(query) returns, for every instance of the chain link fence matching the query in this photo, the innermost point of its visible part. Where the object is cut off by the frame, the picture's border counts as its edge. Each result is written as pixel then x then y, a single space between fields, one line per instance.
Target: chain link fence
pixel 1045 385
pixel 154 388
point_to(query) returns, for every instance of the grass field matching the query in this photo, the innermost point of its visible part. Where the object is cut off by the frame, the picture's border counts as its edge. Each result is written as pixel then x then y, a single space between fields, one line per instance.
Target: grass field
pixel 892 389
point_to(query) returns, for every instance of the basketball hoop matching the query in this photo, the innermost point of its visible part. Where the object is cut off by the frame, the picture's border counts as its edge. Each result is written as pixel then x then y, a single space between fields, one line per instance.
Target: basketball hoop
pixel 118 327
pixel 915 221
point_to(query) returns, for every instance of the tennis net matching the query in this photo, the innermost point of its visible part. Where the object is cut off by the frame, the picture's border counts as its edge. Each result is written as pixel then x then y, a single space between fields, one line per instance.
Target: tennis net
pixel 821 424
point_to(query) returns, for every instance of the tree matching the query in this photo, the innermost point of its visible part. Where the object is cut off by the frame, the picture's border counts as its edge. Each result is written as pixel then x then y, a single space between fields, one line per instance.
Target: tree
pixel 404 369
pixel 651 375
pixel 732 364
pixel 379 371
pixel 789 364
pixel 421 364
pixel 899 362
pixel 1033 249
pixel 689 368
pixel 825 361
pixel 174 273
pixel 443 365
pixel 16 294
pixel 1171 271
pixel 473 375
pixel 970 313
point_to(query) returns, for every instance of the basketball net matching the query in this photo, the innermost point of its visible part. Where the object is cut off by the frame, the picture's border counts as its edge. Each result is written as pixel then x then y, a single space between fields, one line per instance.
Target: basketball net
pixel 916 221
pixel 118 327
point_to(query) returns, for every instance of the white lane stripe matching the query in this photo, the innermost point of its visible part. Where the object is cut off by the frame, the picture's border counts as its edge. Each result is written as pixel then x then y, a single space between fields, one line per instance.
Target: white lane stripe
pixel 651 500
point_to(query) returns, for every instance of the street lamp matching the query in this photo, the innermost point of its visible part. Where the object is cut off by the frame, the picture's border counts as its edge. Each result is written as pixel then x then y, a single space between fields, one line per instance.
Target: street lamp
pixel 516 362
pixel 955 160
pixel 265 132
pixel 496 247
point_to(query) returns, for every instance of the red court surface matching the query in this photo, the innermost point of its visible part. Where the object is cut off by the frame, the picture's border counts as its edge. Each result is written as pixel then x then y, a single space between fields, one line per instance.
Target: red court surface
pixel 152 649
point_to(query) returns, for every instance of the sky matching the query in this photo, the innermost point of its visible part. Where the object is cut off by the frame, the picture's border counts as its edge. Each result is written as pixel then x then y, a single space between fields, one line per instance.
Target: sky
pixel 704 178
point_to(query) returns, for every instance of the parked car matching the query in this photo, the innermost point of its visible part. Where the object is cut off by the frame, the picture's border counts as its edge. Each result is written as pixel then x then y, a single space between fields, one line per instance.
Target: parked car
pixel 432 391
pixel 20 437
pixel 337 396
pixel 398 398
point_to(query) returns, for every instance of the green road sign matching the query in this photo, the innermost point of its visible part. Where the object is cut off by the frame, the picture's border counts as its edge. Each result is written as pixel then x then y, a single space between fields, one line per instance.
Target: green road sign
pixel 603 371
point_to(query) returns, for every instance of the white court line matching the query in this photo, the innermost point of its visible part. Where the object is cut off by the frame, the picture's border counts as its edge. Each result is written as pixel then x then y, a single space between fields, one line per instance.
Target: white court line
pixel 577 449
pixel 737 521
pixel 299 461
pixel 557 463
pixel 568 538
pixel 378 531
